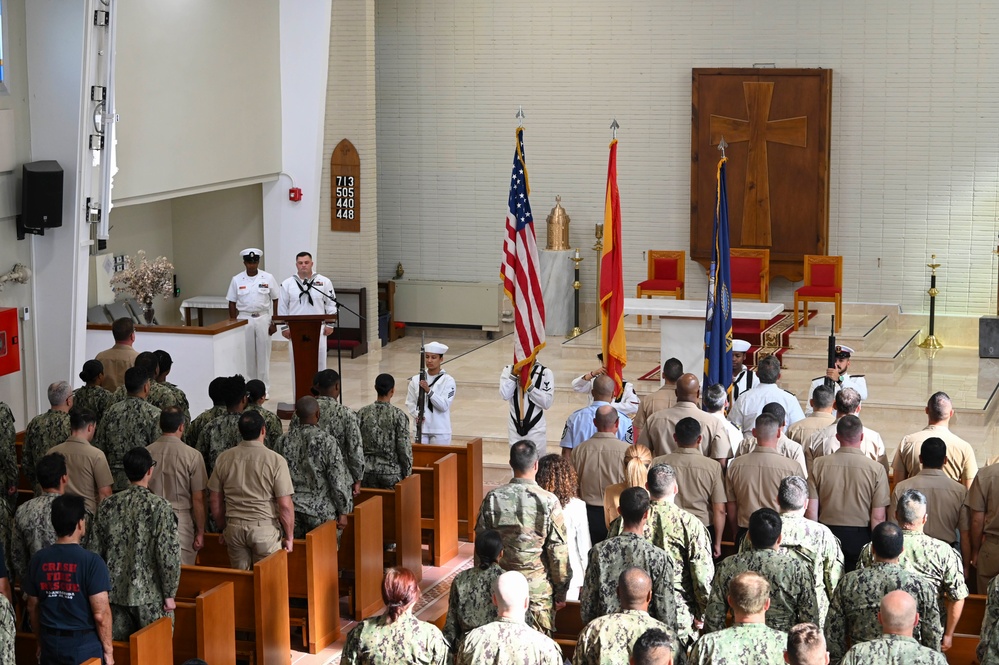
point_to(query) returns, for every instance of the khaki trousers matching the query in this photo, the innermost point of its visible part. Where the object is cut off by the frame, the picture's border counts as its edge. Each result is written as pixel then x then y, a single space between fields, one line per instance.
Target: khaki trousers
pixel 988 563
pixel 250 541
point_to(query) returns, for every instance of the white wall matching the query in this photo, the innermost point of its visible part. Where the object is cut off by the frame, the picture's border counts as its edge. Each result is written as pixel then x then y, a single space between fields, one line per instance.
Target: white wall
pixel 915 130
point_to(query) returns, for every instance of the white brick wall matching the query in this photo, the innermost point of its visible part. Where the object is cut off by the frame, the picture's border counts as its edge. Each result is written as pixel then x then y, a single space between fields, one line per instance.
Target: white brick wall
pixel 915 133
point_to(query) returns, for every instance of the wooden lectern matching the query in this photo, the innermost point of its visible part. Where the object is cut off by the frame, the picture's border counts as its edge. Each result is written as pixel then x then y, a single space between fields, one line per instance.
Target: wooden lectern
pixel 305 331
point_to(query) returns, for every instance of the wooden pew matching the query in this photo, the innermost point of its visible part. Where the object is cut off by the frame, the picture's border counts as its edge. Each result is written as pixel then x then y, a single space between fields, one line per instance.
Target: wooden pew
pixel 401 522
pixel 967 631
pixel 568 626
pixel 152 645
pixel 439 506
pixel 361 552
pixel 469 478
pixel 259 603
pixel 206 628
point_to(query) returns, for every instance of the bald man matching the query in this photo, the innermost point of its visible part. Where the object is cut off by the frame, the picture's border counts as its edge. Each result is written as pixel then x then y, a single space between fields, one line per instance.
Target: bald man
pixel 960 465
pixel 509 639
pixel 896 646
pixel 579 426
pixel 610 638
pixel 657 435
pixel 599 462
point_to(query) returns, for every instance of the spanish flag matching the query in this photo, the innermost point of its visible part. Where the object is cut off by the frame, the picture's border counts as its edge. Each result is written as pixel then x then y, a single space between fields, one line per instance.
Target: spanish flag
pixel 612 279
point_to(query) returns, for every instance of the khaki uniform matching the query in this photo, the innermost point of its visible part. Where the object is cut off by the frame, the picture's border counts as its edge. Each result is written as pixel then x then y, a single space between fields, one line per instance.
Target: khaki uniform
pixel 753 480
pixel 116 360
pixel 803 430
pixel 730 433
pixel 599 463
pixel 657 435
pixel 848 485
pixel 825 442
pixel 984 498
pixel 251 477
pixel 785 446
pixel 87 468
pixel 945 499
pixel 180 473
pixel 960 465
pixel 698 480
pixel 660 400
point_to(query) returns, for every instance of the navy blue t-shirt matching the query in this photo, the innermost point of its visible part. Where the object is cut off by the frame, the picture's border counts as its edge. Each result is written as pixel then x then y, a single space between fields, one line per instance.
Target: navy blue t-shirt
pixel 63 578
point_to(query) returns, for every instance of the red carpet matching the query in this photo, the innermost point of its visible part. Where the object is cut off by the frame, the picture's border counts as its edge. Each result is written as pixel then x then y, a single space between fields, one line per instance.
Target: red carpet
pixel 771 340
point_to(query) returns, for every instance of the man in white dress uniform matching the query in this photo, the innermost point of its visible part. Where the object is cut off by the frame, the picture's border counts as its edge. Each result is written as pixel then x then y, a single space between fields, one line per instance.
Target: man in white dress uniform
pixel 252 297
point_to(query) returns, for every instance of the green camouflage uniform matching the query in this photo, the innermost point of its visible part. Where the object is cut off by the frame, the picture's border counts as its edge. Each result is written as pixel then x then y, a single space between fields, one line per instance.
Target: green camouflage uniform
pixel 8 455
pixel 135 532
pixel 271 423
pixel 470 604
pixel 534 542
pixel 388 447
pixel 988 646
pixel 608 640
pixel 792 589
pixel 192 433
pixel 8 627
pixel 126 425
pixel 341 423
pixel 94 399
pixel 892 650
pixel 33 530
pixel 6 539
pixel 685 539
pixel 319 476
pixel 178 399
pixel 508 642
pixel 815 546
pixel 933 559
pixel 218 436
pixel 610 558
pixel 853 610
pixel 408 640
pixel 742 644
pixel 45 431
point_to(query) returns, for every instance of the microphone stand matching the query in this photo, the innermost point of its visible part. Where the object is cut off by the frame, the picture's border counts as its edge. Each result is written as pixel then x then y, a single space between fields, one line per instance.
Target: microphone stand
pixel 339 361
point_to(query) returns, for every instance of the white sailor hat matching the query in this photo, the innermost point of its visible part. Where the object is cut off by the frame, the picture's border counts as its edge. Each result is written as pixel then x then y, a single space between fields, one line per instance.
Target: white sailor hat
pixel 435 347
pixel 251 254
pixel 843 351
pixel 740 345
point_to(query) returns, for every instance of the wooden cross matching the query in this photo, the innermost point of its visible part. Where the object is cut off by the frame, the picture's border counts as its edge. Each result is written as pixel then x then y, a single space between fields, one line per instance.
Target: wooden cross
pixel 758 130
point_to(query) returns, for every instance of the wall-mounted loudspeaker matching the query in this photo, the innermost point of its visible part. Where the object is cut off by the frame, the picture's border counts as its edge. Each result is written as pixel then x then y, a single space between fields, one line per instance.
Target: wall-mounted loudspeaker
pixel 41 198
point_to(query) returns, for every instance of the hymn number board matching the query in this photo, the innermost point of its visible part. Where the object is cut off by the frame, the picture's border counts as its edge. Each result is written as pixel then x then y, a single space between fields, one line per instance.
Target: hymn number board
pixel 345 188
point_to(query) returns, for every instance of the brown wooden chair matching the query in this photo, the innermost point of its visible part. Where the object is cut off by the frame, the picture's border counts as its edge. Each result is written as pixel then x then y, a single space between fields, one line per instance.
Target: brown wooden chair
pixel 665 275
pixel 823 283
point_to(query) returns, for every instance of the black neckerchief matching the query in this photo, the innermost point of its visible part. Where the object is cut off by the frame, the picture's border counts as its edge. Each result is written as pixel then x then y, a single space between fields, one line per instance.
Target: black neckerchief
pixel 304 288
pixel 533 413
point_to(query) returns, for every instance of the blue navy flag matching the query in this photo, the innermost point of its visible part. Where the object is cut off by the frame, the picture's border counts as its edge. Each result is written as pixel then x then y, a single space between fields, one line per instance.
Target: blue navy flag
pixel 718 319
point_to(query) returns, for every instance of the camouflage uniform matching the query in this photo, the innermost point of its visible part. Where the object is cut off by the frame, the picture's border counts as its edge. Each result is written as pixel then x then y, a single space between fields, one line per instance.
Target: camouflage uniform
pixel 43 432
pixel 407 640
pixel 792 589
pixel 685 539
pixel 815 546
pixel 742 644
pixel 508 642
pixel 179 400
pixel 341 423
pixel 470 603
pixel 160 396
pixel 892 650
pixel 988 645
pixel 135 532
pixel 94 399
pixel 608 640
pixel 6 538
pixel 933 559
pixel 271 423
pixel 853 610
pixel 8 627
pixel 216 437
pixel 33 530
pixel 192 433
pixel 321 481
pixel 610 558
pixel 534 542
pixel 9 474
pixel 134 422
pixel 388 447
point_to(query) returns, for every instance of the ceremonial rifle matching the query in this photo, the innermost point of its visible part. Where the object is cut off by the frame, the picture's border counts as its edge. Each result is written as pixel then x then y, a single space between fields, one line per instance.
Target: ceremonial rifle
pixel 421 401
pixel 831 355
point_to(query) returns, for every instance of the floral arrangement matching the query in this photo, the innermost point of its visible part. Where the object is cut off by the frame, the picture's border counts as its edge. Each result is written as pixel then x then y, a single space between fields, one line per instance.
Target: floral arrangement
pixel 144 279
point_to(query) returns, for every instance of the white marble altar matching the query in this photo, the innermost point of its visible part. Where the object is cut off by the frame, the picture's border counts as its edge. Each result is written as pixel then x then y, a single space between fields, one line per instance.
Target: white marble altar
pixel 681 323
pixel 557 276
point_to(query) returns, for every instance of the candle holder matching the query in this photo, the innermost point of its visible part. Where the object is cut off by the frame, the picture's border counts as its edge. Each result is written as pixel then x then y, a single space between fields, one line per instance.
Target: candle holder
pixel 931 341
pixel 576 330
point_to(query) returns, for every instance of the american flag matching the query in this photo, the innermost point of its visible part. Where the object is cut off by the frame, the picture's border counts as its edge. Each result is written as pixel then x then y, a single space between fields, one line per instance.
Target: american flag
pixel 519 270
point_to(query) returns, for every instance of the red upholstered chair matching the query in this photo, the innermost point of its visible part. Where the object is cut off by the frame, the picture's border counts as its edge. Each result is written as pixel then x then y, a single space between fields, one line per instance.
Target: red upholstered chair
pixel 665 276
pixel 823 283
pixel 750 270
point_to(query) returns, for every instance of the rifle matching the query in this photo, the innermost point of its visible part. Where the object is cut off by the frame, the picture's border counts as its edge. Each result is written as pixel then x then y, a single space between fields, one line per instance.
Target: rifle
pixel 421 401
pixel 831 355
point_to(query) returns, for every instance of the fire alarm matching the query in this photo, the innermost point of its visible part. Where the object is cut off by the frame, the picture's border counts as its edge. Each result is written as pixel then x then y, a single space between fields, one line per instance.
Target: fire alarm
pixel 295 194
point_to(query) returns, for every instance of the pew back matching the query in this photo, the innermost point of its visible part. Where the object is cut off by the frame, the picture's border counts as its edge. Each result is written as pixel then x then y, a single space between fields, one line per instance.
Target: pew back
pixel 206 627
pixel 401 522
pixel 439 506
pixel 469 477
pixel 362 551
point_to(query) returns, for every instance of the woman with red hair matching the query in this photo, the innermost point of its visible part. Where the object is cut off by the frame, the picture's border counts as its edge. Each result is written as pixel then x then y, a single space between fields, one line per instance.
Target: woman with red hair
pixel 396 636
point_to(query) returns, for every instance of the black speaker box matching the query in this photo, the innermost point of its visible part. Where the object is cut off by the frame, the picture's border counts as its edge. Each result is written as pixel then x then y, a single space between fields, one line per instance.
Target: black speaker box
pixel 41 195
pixel 988 337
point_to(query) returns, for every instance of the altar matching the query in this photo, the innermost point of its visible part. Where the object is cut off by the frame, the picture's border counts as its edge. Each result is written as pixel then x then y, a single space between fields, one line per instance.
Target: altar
pixel 681 323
